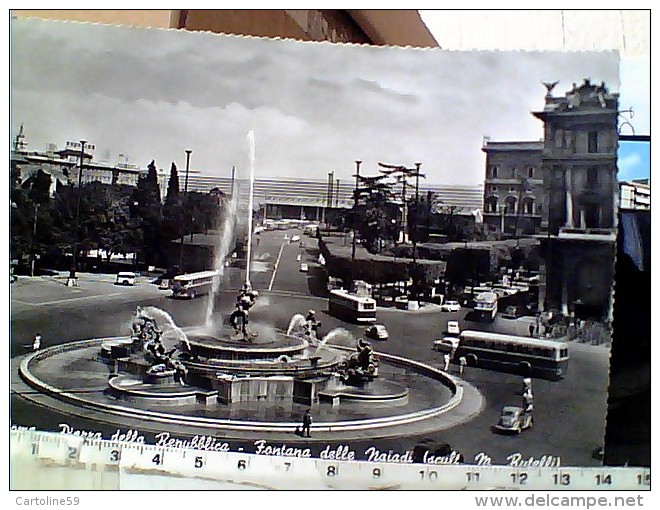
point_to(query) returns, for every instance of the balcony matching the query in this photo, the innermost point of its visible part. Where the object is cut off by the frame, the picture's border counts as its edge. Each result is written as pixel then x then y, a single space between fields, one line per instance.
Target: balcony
pixel 587 234
pixel 512 181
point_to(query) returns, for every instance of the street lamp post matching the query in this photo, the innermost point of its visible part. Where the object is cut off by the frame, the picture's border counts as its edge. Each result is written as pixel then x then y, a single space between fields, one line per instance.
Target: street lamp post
pixel 72 273
pixel 34 235
pixel 417 167
pixel 185 194
pixel 355 203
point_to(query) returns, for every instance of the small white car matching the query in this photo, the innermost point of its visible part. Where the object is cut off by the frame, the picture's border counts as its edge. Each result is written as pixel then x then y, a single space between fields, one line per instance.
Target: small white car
pixel 514 419
pixel 125 278
pixel 304 268
pixel 446 345
pixel 450 306
pixel 377 332
pixel 295 239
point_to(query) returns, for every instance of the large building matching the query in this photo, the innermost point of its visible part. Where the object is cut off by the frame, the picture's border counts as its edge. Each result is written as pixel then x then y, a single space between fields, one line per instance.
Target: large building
pixel 310 199
pixel 579 167
pixel 63 165
pixel 513 188
pixel 635 194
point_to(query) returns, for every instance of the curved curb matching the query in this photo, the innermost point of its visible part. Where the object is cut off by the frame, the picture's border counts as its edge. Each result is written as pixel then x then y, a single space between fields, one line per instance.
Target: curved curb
pixel 228 424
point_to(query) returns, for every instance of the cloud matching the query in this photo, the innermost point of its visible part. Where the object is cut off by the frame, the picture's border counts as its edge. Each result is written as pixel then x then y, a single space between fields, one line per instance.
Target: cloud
pixel 629 166
pixel 314 108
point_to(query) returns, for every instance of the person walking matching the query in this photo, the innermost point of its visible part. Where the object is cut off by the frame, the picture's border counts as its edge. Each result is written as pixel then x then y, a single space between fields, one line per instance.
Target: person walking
pixel 306 424
pixel 447 358
pixel 36 344
pixel 462 362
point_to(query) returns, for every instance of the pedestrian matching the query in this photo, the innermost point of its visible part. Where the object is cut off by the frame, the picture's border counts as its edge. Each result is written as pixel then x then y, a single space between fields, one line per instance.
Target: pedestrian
pixel 462 362
pixel 306 424
pixel 36 345
pixel 532 328
pixel 528 401
pixel 447 358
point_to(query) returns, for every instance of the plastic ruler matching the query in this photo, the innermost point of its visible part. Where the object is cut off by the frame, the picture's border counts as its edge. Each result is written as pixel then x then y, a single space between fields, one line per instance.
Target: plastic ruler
pixel 54 460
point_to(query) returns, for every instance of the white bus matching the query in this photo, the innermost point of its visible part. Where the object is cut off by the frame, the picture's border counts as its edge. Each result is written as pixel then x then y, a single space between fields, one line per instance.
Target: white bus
pixel 192 285
pixel 525 355
pixel 485 305
pixel 351 307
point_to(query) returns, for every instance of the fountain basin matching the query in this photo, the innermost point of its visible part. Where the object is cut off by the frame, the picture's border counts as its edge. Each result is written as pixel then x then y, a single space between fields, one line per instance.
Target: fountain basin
pixel 55 370
pixel 133 390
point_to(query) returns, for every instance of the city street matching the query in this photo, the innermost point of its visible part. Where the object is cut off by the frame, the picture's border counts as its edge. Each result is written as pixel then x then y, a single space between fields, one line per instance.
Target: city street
pixel 569 415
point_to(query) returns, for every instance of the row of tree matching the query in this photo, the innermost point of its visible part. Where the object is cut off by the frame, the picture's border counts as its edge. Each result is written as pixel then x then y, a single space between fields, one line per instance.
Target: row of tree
pixel 381 212
pixel 115 218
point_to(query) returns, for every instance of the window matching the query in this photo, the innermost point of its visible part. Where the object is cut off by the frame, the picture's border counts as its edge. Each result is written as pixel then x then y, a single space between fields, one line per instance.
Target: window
pixel 493 188
pixel 511 205
pixel 568 140
pixel 559 138
pixel 512 188
pixel 592 142
pixel 592 177
pixel 492 170
pixel 530 172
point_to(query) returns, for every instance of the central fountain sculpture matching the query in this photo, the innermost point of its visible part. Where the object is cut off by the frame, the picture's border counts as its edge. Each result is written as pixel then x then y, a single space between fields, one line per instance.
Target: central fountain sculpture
pixel 235 364
pixel 238 373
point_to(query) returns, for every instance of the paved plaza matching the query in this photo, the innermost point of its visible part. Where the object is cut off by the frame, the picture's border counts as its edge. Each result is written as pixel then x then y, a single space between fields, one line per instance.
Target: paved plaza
pixel 569 414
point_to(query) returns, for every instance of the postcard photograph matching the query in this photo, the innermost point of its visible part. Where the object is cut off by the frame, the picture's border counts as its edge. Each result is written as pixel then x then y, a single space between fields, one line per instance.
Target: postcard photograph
pixel 273 250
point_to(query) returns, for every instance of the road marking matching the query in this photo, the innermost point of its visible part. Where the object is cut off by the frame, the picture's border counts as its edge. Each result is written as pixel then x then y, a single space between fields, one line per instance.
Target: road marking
pixel 58 301
pixel 277 263
pixel 287 293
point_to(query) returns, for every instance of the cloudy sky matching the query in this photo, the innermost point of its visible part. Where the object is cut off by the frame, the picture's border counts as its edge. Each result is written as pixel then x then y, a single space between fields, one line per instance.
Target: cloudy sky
pixel 314 107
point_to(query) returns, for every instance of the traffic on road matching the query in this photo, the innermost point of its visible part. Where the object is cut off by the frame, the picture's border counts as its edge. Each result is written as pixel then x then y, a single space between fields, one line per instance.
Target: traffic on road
pixel 62 314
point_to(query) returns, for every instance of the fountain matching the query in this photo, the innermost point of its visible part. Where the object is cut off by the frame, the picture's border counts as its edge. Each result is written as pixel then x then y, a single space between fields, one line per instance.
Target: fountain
pixel 225 366
pixel 221 372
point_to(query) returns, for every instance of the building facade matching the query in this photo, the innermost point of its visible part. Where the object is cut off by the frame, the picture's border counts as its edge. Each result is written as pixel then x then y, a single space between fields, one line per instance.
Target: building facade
pixel 63 165
pixel 513 187
pixel 635 194
pixel 579 167
pixel 310 199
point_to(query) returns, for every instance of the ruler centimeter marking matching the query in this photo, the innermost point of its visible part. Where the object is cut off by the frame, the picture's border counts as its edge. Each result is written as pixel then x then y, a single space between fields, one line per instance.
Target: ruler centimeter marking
pixel 282 472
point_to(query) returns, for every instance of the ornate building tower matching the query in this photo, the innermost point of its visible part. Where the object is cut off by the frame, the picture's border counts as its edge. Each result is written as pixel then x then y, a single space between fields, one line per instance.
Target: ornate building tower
pixel 579 165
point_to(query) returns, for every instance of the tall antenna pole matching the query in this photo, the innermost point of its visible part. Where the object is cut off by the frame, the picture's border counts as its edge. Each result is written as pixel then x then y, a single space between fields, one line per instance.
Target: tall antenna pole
pixel 250 206
pixel 355 203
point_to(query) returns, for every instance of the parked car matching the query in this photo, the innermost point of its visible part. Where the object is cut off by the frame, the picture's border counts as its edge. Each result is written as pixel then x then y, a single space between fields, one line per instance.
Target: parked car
pixel 304 267
pixel 514 419
pixel 450 306
pixel 377 332
pixel 125 278
pixel 512 312
pixel 335 283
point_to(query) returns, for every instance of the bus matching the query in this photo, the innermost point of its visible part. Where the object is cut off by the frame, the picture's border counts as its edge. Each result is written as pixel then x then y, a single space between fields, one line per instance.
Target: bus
pixel 508 353
pixel 351 307
pixel 485 305
pixel 192 285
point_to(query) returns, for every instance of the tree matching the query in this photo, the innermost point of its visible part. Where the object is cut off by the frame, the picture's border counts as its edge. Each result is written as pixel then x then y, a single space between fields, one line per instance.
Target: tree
pixel 371 216
pixel 29 204
pixel 172 226
pixel 146 208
